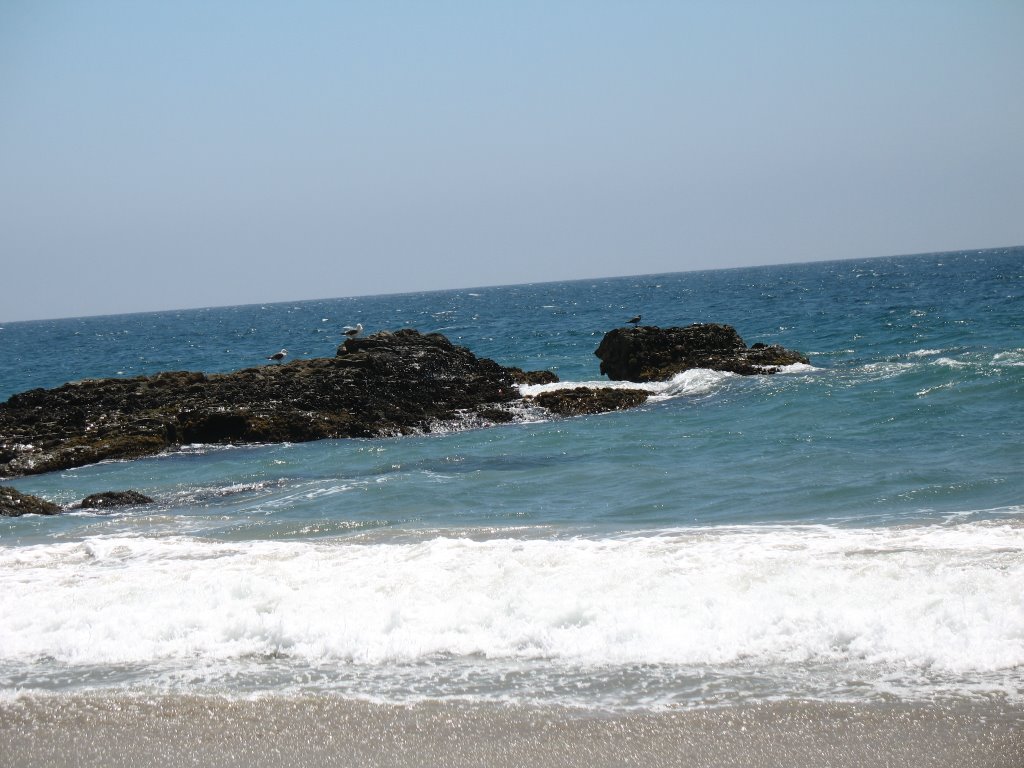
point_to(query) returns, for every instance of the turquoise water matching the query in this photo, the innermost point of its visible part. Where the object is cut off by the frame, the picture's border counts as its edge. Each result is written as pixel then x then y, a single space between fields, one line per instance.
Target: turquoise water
pixel 848 529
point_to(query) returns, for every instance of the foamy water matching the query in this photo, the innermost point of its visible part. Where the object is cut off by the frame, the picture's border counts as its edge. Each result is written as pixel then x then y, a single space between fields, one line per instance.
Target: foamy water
pixel 690 383
pixel 913 605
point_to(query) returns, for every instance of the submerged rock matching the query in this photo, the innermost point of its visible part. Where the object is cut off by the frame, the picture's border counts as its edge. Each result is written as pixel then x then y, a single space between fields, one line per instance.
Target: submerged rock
pixel 381 385
pixel 109 499
pixel 649 353
pixel 15 504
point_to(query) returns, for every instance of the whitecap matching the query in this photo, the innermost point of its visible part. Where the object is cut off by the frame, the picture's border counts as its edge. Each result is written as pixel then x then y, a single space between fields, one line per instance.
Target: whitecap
pixel 928 390
pixel 1013 357
pixel 798 368
pixel 932 599
pixel 696 381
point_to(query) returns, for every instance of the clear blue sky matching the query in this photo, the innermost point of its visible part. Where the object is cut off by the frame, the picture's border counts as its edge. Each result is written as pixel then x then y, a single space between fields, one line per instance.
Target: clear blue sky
pixel 158 155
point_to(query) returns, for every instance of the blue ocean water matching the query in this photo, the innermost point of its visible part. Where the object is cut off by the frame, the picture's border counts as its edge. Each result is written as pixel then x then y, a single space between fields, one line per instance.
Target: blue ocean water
pixel 852 529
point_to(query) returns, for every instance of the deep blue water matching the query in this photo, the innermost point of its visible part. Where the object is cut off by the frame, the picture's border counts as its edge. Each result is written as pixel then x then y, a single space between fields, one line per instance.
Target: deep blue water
pixel 848 529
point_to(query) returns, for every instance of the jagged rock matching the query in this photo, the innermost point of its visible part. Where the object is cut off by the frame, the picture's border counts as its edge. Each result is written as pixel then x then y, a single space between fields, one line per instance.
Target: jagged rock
pixel 649 353
pixel 585 400
pixel 15 503
pixel 380 385
pixel 109 499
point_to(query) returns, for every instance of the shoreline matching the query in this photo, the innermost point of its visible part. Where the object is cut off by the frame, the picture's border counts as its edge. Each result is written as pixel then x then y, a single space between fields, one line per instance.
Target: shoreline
pixel 180 730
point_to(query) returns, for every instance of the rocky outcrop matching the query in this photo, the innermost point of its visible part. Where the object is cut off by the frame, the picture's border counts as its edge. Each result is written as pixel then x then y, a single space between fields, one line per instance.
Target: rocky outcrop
pixel 381 385
pixel 111 499
pixel 15 504
pixel 649 353
pixel 385 384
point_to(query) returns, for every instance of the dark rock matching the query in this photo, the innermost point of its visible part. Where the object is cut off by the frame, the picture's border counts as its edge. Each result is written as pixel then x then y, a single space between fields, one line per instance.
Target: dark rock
pixel 650 353
pixel 533 377
pixel 584 400
pixel 496 415
pixel 380 385
pixel 109 499
pixel 773 356
pixel 15 503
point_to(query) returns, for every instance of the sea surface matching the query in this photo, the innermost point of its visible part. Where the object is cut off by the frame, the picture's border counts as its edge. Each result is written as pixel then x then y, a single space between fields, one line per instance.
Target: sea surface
pixel 846 531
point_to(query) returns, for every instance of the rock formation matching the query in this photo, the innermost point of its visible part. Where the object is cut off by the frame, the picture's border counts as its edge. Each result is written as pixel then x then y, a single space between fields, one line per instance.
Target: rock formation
pixel 385 384
pixel 584 400
pixel 15 504
pixel 649 353
pixel 111 499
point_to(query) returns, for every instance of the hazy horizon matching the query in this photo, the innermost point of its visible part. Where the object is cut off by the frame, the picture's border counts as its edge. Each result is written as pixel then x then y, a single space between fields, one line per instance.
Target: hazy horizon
pixel 295 300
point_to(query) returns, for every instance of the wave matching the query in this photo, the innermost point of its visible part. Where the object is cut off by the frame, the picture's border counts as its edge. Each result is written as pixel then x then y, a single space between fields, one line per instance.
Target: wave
pixel 1012 358
pixel 694 382
pixel 935 599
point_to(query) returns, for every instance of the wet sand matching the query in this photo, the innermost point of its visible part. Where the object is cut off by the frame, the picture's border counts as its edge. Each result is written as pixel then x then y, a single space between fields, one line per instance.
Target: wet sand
pixel 107 730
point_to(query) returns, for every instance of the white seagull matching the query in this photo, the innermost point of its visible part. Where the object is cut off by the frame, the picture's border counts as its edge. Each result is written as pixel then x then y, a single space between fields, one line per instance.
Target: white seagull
pixel 353 331
pixel 279 356
pixel 634 320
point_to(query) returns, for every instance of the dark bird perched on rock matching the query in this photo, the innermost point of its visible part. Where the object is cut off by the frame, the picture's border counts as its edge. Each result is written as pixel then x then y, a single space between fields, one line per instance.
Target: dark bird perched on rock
pixel 634 320
pixel 278 356
pixel 352 331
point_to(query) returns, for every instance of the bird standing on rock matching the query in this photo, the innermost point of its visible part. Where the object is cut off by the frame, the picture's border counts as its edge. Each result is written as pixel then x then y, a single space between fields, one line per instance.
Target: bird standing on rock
pixel 352 331
pixel 277 357
pixel 634 320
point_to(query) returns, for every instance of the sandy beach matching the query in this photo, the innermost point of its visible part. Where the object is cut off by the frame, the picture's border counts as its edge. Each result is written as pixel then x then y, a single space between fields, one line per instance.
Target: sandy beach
pixel 113 730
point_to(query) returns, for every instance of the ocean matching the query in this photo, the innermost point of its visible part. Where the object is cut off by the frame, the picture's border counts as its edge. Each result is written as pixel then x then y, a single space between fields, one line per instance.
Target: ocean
pixel 848 533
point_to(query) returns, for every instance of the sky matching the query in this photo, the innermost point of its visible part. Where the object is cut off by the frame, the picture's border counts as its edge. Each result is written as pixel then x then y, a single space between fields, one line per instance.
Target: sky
pixel 165 155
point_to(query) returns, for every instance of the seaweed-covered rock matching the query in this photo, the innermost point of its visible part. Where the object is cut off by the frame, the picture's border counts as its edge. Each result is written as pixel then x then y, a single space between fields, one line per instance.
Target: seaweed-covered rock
pixel 585 400
pixel 384 384
pixel 110 499
pixel 15 503
pixel 650 353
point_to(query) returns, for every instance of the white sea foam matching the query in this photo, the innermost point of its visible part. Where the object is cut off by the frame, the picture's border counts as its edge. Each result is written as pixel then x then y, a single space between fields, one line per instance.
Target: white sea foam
pixel 928 390
pixel 1014 357
pixel 694 382
pixel 940 599
pixel 799 368
pixel 884 370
